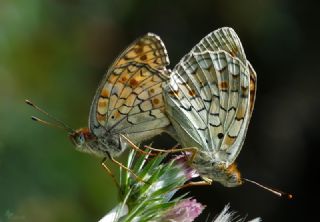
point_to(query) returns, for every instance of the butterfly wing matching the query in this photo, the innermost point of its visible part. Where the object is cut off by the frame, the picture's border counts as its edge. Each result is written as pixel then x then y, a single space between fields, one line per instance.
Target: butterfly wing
pixel 129 99
pixel 208 98
pixel 225 39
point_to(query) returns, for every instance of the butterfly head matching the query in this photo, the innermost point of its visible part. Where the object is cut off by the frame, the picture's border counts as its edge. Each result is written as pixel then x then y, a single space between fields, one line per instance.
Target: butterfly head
pixel 81 137
pixel 227 176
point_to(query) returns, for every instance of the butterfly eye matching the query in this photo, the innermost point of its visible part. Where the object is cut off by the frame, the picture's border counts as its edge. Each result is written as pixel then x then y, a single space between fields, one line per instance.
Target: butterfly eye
pixel 80 139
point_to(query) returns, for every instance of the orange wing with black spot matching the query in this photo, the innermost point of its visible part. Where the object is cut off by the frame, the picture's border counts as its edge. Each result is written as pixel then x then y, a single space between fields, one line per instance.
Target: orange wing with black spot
pixel 129 99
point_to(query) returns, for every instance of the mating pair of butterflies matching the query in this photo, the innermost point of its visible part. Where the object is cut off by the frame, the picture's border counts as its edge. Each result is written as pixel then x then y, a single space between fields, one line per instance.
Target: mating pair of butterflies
pixel 205 102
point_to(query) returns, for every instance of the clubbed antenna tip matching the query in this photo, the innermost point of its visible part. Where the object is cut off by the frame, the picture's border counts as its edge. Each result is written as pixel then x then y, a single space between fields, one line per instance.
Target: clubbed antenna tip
pixel 34 118
pixel 28 102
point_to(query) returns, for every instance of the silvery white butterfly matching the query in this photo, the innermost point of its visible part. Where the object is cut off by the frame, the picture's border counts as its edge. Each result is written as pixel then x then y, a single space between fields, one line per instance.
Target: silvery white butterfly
pixel 209 101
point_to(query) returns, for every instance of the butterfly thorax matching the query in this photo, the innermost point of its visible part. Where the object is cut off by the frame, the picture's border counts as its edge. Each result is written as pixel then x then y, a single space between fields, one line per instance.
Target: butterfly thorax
pixel 86 141
pixel 228 176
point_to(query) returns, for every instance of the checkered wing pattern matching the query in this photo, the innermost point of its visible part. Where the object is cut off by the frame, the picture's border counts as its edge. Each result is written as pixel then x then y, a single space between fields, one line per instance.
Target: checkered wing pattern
pixel 210 96
pixel 129 99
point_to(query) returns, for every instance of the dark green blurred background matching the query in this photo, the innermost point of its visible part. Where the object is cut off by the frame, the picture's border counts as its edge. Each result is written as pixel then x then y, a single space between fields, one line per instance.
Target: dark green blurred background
pixel 55 52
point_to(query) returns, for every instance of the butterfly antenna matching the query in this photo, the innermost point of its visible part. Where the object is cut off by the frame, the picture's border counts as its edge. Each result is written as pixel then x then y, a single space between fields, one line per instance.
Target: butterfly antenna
pixel 59 123
pixel 43 122
pixel 276 192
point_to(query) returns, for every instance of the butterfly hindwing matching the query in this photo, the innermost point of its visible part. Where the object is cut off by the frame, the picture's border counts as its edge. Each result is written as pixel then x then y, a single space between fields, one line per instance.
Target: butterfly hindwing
pixel 213 88
pixel 129 99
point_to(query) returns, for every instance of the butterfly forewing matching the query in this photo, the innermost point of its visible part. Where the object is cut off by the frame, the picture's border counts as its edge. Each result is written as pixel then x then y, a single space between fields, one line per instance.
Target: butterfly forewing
pixel 224 39
pixel 148 50
pixel 129 99
pixel 212 90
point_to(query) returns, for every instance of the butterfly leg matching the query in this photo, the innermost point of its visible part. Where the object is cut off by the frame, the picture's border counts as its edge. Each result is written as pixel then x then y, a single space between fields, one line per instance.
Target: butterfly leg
pixel 135 147
pixel 192 150
pixel 127 169
pixel 197 183
pixel 109 172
